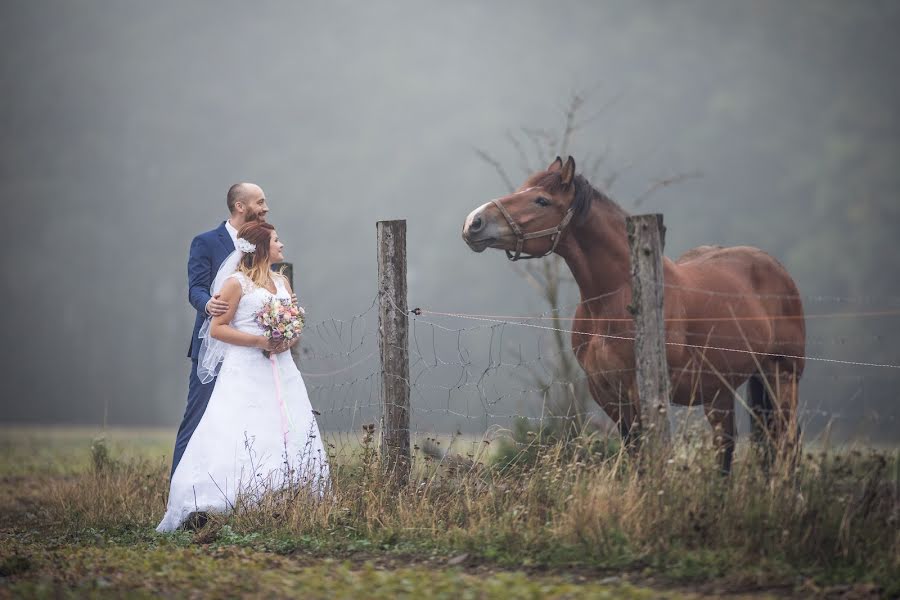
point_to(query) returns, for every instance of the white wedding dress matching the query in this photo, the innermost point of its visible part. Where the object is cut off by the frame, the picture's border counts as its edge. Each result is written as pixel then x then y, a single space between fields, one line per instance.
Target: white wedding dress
pixel 258 434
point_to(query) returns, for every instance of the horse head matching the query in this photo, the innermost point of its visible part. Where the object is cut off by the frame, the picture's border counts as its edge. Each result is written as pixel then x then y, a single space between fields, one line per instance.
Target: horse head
pixel 529 222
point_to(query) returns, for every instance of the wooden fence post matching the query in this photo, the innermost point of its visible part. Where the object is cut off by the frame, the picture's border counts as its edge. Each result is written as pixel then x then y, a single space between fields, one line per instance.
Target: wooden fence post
pixel 393 343
pixel 287 269
pixel 646 237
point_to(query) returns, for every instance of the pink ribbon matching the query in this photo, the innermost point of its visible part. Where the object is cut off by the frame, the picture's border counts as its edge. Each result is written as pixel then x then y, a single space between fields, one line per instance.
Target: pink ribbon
pixel 285 415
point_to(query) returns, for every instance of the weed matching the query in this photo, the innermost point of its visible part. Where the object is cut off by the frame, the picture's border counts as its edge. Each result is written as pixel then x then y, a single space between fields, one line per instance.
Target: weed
pixel 830 518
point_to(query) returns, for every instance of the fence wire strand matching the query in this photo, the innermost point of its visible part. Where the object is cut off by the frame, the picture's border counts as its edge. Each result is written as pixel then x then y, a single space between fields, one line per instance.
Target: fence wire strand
pixel 475 372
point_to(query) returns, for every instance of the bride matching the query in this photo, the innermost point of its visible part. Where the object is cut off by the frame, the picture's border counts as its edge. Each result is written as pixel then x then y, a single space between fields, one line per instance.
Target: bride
pixel 259 432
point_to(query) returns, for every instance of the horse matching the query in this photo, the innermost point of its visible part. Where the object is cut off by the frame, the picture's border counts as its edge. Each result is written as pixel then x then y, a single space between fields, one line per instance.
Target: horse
pixel 732 314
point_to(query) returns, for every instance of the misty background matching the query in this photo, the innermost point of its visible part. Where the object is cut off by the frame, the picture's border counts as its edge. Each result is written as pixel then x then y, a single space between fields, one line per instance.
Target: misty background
pixel 124 123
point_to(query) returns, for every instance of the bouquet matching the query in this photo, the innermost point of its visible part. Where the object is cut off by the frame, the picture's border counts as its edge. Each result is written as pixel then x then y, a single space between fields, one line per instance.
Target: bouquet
pixel 281 320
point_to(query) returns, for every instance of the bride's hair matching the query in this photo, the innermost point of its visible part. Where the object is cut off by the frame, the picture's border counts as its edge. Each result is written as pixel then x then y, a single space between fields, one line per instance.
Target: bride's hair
pixel 256 265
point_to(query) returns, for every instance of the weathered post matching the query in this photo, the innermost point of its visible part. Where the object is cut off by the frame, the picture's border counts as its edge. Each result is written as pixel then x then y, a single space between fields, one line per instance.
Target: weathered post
pixel 393 343
pixel 287 269
pixel 646 237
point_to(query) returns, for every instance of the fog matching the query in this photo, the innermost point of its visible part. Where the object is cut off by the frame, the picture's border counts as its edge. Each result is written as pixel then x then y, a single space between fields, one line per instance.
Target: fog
pixel 124 123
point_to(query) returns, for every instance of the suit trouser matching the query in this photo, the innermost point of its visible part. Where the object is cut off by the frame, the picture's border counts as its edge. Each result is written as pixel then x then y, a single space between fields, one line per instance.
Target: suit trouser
pixel 198 398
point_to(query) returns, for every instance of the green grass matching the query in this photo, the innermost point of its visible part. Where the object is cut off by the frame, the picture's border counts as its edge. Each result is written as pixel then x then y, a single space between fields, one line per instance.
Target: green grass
pixel 33 450
pixel 567 515
pixel 168 569
pixel 230 572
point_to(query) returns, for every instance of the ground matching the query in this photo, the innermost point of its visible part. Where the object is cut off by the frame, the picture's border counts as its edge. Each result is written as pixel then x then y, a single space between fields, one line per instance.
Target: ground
pixel 52 546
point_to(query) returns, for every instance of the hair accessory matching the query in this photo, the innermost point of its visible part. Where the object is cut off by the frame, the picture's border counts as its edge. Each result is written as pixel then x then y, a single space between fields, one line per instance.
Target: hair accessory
pixel 245 246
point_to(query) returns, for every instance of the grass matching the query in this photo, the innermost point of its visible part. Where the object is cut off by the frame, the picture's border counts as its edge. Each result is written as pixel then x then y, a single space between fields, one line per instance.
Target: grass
pixel 224 571
pixel 829 520
pixel 31 450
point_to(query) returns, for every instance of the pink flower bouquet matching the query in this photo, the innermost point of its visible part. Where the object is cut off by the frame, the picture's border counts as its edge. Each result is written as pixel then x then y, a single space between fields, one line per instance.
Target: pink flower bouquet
pixel 281 320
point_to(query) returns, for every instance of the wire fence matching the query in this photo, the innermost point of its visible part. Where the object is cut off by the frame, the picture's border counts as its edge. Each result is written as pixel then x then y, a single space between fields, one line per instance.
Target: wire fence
pixel 477 373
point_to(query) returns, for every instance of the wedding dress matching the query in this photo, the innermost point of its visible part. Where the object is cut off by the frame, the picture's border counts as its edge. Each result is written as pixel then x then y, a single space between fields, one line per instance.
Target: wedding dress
pixel 259 432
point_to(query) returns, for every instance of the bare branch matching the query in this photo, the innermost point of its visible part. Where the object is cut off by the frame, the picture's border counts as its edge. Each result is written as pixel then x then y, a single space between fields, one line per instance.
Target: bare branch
pixel 483 155
pixel 592 172
pixel 599 113
pixel 661 183
pixel 611 179
pixel 526 273
pixel 541 140
pixel 550 277
pixel 524 163
pixel 575 102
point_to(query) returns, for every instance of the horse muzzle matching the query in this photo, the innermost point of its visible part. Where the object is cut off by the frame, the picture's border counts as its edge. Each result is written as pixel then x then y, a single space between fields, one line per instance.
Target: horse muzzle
pixel 480 232
pixel 478 245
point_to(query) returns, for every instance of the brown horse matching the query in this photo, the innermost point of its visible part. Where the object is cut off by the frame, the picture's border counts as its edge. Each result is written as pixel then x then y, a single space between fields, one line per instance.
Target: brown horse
pixel 732 314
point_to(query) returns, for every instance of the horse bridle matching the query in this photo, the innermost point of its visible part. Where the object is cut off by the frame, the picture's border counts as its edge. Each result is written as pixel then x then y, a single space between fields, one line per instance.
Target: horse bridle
pixel 521 238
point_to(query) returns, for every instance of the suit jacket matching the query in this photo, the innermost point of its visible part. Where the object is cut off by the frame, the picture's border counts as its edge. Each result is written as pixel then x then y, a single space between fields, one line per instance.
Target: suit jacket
pixel 208 251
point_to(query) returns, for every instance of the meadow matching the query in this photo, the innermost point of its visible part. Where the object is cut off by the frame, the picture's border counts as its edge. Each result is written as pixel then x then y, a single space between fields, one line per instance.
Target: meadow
pixel 516 516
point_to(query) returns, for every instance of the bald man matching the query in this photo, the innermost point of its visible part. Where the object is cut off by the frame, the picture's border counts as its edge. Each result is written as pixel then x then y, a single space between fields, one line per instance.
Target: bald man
pixel 246 202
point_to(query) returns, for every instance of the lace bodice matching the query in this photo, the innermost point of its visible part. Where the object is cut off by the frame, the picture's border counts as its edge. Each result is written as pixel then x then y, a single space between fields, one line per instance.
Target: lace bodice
pixel 252 301
pixel 216 356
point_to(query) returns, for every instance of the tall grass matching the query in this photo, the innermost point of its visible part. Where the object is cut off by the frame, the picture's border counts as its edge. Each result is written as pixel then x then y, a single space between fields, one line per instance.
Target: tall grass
pixel 830 515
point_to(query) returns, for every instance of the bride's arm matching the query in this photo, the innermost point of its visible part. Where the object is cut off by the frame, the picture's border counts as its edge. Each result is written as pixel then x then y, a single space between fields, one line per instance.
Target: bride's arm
pixel 219 327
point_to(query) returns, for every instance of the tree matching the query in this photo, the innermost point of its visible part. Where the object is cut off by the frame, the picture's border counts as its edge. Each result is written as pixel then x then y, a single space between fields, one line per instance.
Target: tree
pixel 562 383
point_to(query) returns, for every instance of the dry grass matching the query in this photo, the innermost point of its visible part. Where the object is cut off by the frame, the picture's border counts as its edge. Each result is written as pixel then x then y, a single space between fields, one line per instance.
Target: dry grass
pixel 826 517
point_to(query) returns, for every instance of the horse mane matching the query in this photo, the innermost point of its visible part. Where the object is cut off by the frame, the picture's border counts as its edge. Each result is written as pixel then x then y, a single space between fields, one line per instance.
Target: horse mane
pixel 585 193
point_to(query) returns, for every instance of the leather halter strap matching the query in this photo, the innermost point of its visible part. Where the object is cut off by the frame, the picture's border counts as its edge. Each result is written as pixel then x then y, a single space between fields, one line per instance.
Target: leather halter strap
pixel 521 237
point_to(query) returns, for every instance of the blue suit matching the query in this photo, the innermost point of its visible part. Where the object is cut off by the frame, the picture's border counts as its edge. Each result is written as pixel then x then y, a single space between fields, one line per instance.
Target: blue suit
pixel 208 251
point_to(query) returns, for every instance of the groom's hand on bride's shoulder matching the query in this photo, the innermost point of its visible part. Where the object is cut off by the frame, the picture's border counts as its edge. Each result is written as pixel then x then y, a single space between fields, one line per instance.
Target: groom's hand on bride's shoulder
pixel 216 307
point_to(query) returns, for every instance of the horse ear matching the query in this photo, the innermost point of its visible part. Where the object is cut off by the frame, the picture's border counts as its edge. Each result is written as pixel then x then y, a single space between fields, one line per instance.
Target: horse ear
pixel 568 172
pixel 556 165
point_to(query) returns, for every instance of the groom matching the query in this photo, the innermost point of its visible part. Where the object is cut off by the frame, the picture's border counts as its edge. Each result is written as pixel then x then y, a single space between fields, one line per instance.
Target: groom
pixel 246 202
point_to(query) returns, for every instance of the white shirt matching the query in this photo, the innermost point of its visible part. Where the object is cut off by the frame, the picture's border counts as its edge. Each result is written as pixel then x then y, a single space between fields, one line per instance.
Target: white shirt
pixel 232 232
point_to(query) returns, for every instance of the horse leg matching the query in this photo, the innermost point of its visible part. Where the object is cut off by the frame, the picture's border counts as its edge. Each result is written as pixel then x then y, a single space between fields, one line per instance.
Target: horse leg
pixel 773 401
pixel 787 427
pixel 720 414
pixel 619 411
pixel 761 417
pixel 625 401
